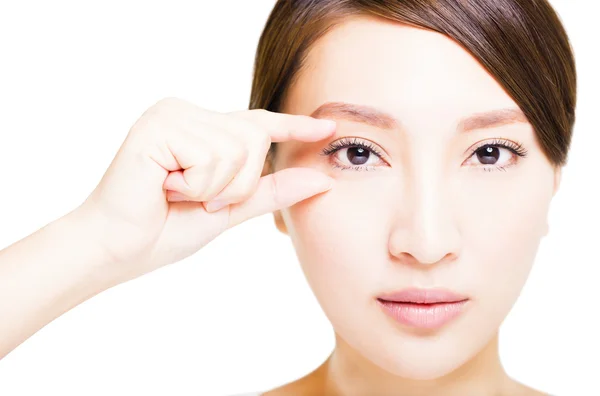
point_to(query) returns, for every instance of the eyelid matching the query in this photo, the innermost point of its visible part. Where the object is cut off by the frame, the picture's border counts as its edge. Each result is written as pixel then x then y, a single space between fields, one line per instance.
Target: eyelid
pixel 514 147
pixel 352 141
pixel 349 142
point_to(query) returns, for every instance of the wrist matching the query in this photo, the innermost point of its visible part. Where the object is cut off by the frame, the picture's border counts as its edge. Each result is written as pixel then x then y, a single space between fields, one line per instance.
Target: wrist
pixel 85 229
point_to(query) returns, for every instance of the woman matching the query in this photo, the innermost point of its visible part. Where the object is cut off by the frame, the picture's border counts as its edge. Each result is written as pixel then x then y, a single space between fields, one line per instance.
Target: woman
pixel 452 123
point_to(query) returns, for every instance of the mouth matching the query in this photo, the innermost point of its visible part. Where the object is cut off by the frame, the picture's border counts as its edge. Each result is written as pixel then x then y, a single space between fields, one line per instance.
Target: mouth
pixel 423 308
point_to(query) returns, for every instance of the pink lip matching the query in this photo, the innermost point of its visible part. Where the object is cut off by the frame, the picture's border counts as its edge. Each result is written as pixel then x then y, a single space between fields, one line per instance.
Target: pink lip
pixel 425 296
pixel 423 308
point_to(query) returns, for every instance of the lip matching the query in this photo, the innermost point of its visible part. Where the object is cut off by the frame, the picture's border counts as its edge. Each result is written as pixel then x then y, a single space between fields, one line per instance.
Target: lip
pixel 423 296
pixel 423 308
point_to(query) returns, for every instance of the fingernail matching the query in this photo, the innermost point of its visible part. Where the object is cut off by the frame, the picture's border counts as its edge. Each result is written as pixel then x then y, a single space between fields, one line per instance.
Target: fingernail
pixel 213 206
pixel 328 185
pixel 330 124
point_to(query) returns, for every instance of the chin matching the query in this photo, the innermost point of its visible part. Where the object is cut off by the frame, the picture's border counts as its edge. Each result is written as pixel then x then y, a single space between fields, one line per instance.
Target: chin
pixel 426 369
pixel 420 356
pixel 418 366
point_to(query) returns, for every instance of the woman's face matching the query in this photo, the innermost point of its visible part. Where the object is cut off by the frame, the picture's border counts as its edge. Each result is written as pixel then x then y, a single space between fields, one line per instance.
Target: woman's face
pixel 420 206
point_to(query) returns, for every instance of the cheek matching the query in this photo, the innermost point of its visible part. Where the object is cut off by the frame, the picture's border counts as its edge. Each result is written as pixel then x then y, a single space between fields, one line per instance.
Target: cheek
pixel 340 238
pixel 503 224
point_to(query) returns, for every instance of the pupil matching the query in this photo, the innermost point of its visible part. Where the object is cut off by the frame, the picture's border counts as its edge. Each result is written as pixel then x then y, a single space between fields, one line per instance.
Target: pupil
pixel 357 155
pixel 488 155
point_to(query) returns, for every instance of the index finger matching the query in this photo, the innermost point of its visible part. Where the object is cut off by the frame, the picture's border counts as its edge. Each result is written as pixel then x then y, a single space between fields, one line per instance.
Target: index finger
pixel 282 127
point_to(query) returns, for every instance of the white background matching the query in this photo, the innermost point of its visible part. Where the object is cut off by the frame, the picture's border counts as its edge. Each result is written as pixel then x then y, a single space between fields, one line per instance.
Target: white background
pixel 238 316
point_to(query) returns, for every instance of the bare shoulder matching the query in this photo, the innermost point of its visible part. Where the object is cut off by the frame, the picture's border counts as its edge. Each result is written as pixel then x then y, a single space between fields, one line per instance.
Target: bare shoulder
pixel 313 384
pixel 296 388
pixel 310 384
pixel 516 388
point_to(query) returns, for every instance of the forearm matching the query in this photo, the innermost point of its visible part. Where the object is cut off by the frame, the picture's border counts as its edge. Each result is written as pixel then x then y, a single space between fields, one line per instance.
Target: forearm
pixel 46 274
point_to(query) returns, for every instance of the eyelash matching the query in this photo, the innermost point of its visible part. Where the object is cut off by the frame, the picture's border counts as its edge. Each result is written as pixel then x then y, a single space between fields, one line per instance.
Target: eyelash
pixel 343 143
pixel 515 148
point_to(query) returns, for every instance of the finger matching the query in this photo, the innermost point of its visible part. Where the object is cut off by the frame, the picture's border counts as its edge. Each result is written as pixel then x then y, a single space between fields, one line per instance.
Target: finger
pixel 232 155
pixel 196 157
pixel 210 160
pixel 245 182
pixel 174 196
pixel 225 171
pixel 283 127
pixel 280 190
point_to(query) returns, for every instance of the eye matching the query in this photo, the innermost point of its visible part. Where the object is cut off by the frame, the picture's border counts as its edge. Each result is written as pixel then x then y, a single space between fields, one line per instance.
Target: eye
pixel 497 155
pixel 354 153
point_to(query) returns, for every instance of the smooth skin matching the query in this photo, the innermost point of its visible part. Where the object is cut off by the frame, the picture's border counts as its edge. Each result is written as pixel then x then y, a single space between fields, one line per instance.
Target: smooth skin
pixel 420 215
pixel 427 212
pixel 182 176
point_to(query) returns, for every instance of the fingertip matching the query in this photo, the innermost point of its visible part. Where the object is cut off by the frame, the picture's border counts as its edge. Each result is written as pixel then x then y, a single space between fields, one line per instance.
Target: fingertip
pixel 319 182
pixel 322 129
pixel 328 183
pixel 331 125
pixel 328 125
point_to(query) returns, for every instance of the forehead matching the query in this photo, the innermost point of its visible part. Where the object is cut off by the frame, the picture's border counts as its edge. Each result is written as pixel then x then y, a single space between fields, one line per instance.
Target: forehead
pixel 406 71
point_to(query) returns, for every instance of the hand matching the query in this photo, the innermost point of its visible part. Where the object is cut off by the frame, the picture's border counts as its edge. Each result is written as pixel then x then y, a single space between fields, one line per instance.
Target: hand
pixel 158 201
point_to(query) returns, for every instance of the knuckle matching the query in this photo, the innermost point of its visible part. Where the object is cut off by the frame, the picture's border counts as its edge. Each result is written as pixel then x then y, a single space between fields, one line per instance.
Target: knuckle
pixel 254 131
pixel 232 157
pixel 239 155
pixel 160 108
pixel 263 140
pixel 235 163
pixel 256 136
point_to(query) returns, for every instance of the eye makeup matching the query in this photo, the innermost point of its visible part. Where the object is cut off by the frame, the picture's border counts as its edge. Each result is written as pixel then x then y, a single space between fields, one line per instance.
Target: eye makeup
pixel 357 152
pixel 488 152
pixel 355 149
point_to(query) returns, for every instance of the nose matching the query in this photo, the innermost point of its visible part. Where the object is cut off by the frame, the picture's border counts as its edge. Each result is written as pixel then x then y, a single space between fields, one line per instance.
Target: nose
pixel 425 230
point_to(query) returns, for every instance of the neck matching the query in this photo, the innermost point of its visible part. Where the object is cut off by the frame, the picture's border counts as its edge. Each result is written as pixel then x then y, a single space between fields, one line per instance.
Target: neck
pixel 346 372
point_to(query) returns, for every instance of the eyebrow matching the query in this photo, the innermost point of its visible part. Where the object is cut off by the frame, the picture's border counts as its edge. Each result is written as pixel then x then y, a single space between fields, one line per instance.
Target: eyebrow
pixel 380 119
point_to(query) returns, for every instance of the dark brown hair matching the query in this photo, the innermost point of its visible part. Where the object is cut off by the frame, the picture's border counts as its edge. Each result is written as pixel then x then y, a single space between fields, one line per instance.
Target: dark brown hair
pixel 522 43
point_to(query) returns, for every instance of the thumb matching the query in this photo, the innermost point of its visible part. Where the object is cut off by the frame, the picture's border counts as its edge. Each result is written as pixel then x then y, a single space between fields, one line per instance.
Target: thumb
pixel 280 190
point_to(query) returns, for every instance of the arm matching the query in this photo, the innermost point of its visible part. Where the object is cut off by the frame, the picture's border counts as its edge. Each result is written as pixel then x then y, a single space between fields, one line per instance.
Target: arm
pixel 133 222
pixel 46 274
